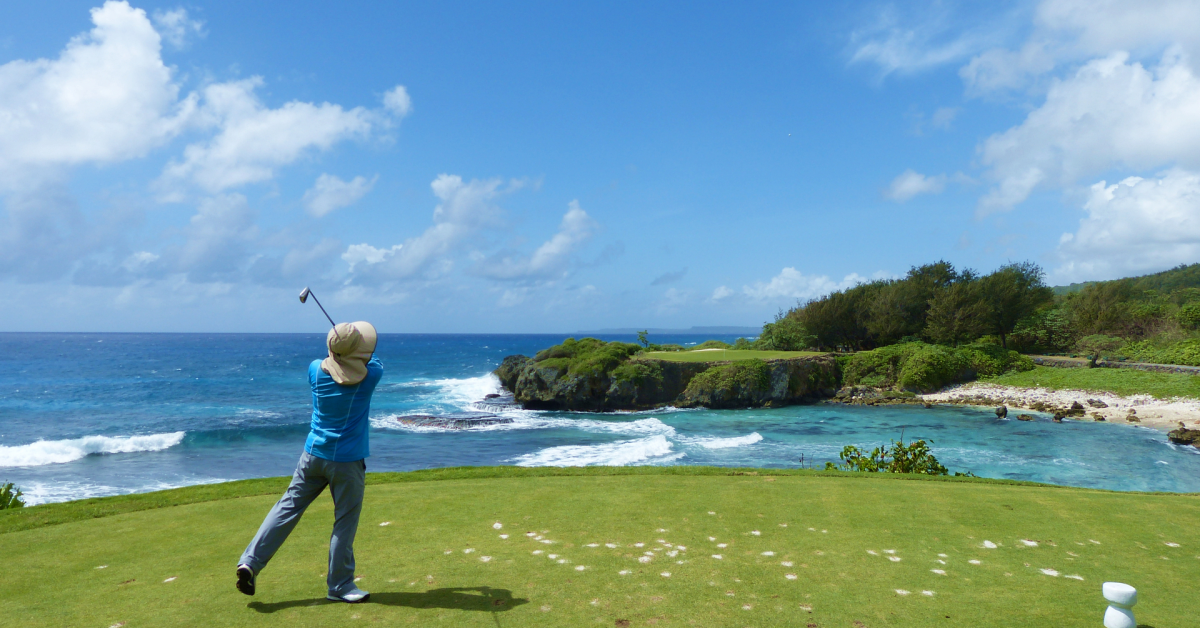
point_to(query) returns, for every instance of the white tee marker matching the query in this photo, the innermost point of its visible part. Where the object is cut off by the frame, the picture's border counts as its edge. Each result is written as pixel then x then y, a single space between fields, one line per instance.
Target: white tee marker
pixel 1121 598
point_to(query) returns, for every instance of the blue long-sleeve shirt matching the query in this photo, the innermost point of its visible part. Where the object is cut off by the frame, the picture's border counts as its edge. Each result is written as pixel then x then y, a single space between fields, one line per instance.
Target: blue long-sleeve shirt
pixel 339 418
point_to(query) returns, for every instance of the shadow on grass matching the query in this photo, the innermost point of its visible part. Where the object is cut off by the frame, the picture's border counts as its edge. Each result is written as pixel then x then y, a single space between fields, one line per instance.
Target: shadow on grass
pixel 460 598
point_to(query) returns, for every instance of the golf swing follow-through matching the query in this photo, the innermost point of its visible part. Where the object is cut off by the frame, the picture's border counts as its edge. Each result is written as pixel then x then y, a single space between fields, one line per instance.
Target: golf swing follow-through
pixel 334 456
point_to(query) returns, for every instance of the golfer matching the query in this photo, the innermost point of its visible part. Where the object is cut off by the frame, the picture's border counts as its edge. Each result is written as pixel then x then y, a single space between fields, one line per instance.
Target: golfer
pixel 334 456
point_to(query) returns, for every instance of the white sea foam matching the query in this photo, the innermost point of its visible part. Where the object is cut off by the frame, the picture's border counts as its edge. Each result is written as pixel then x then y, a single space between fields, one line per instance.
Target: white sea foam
pixel 725 443
pixel 652 449
pixel 45 452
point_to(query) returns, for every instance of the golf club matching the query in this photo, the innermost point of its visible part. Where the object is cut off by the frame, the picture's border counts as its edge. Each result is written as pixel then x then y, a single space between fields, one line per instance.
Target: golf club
pixel 305 293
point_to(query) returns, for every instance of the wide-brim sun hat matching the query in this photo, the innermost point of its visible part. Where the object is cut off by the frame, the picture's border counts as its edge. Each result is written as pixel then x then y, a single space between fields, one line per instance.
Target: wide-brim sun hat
pixel 350 348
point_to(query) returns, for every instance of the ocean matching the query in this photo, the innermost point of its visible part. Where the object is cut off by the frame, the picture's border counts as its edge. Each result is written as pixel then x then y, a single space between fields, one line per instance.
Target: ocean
pixel 85 415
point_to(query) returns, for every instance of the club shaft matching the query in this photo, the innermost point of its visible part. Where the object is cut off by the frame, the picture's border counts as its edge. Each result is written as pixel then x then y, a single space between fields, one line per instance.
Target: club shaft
pixel 314 297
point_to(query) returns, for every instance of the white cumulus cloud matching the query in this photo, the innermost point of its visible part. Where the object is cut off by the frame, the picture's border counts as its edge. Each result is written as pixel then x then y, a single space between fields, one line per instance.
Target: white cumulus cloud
pixel 176 26
pixel 1134 227
pixel 793 284
pixel 330 193
pixel 911 183
pixel 551 259
pixel 108 97
pixel 254 140
pixel 367 254
pixel 1112 113
pixel 397 101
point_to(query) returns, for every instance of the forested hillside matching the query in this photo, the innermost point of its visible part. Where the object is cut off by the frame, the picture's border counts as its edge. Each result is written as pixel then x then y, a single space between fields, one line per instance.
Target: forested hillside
pixel 1153 318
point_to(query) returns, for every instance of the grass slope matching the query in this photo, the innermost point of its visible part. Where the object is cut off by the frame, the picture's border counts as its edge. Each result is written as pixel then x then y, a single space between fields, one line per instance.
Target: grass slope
pixel 1118 381
pixel 173 566
pixel 725 355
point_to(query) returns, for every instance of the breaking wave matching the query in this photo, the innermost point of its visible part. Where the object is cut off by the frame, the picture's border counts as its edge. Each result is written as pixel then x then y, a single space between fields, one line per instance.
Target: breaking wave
pixel 45 452
pixel 652 450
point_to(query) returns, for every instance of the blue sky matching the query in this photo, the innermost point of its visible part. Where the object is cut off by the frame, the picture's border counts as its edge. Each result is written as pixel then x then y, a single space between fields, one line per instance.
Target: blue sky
pixel 527 167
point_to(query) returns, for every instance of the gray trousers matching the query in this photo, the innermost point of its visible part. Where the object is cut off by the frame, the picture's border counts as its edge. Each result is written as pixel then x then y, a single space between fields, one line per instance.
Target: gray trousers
pixel 346 481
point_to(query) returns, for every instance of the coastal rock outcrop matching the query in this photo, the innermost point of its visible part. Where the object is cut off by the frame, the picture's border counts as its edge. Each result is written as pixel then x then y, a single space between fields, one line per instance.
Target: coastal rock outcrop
pixel 1184 436
pixel 642 383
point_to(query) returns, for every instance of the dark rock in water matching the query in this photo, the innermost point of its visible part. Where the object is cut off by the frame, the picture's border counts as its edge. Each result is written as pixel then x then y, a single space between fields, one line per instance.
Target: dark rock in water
pixel 1098 416
pixel 1184 436
pixel 1024 417
pixel 1058 416
pixel 1075 405
pixel 452 422
pixel 928 406
pixel 1096 403
pixel 1002 412
pixel 491 395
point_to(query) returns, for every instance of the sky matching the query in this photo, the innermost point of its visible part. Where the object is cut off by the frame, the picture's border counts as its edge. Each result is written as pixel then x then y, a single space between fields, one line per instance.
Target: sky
pixel 446 167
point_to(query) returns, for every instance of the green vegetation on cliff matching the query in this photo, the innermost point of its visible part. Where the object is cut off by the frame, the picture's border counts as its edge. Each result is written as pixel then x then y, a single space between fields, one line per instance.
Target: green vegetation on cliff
pixel 587 356
pixel 725 355
pixel 923 367
pixel 171 566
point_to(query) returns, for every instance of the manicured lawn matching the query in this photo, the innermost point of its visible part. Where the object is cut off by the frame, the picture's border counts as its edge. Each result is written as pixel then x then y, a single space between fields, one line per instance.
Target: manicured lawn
pixel 1118 381
pixel 721 355
pixel 799 549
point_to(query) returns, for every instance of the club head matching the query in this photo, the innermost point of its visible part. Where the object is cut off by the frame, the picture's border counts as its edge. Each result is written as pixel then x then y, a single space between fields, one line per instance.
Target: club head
pixel 304 295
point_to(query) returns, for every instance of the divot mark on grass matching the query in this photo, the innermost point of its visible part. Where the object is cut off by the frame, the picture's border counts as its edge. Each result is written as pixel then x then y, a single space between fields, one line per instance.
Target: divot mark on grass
pixel 889 551
pixel 643 559
pixel 901 592
pixel 624 572
pixel 1050 572
pixel 531 534
pixel 1074 577
pixel 1169 544
pixel 873 552
pixel 171 579
pixel 497 525
pixel 562 561
pixel 783 525
pixel 940 561
pixel 768 553
pixel 580 568
pixel 786 563
pixel 665 574
pixel 756 533
pixel 504 537
pixel 611 545
pixel 927 593
pixel 485 559
pixel 1094 541
pixel 102 567
pixel 940 572
pixel 681 548
pixel 1029 543
pixel 468 550
pixel 385 523
pixel 943 556
pixel 545 608
pixel 988 545
pixel 790 576
pixel 551 556
pixel 746 607
pixel 718 556
pixel 894 559
pixel 722 545
pixel 546 541
pixel 117 625
pixel 974 562
pixel 536 552
pixel 639 545
pixel 592 545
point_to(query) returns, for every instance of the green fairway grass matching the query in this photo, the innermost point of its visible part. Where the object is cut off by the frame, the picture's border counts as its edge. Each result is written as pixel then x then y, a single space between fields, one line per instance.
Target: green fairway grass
pixel 722 355
pixel 1118 381
pixel 800 549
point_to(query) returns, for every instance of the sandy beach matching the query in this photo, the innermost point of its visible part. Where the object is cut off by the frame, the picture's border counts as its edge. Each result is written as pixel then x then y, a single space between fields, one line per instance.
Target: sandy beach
pixel 1165 414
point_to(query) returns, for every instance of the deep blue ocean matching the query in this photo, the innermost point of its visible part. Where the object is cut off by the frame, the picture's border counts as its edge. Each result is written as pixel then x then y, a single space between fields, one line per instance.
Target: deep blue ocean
pixel 100 414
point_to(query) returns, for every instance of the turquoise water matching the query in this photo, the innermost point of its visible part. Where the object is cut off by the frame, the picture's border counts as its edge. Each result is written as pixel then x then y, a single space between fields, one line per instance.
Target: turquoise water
pixel 101 414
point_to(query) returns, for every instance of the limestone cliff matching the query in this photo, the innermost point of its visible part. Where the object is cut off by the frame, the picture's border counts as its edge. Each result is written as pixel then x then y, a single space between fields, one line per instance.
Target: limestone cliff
pixel 639 384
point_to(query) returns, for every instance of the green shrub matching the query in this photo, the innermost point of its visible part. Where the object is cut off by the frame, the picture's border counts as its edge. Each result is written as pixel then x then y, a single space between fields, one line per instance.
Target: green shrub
pixel 637 372
pixel 742 374
pixel 587 356
pixel 712 344
pixel 924 367
pixel 742 344
pixel 10 497
pixel 1185 353
pixel 787 333
pixel 931 367
pixel 899 458
pixel 1189 315
pixel 667 347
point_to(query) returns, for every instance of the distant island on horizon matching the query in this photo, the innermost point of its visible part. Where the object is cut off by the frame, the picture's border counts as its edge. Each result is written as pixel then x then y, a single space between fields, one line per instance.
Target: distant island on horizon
pixel 717 329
